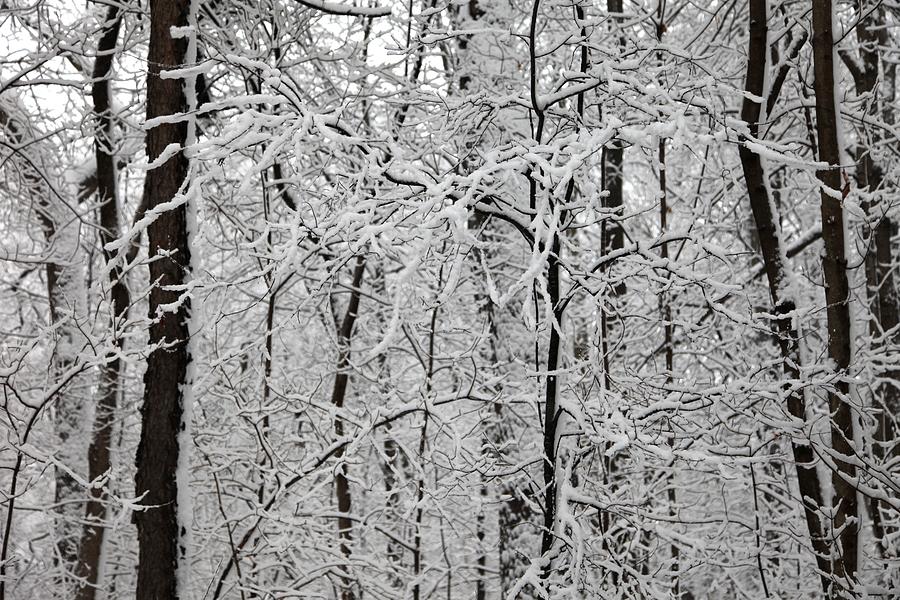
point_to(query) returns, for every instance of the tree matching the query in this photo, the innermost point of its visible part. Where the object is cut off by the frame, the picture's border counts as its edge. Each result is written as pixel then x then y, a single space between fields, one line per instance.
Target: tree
pixel 90 549
pixel 491 299
pixel 768 228
pixel 845 522
pixel 162 465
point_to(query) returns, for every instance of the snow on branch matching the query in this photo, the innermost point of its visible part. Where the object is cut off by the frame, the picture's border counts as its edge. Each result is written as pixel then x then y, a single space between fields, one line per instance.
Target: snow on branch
pixel 334 8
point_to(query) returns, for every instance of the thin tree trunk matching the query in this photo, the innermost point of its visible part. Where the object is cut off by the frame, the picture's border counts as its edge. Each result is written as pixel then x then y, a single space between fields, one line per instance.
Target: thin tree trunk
pixel 423 440
pixel 67 299
pixel 665 309
pixel 834 265
pixel 90 549
pixel 774 261
pixel 471 12
pixel 165 380
pixel 338 395
pixel 614 168
pixel 872 34
pixel 611 240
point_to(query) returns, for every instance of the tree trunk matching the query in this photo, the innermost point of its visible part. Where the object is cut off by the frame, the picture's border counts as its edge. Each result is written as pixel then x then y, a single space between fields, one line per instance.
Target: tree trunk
pixel 90 549
pixel 338 395
pixel 872 34
pixel 551 414
pixel 165 381
pixel 775 263
pixel 67 302
pixel 665 310
pixel 834 265
pixel 613 171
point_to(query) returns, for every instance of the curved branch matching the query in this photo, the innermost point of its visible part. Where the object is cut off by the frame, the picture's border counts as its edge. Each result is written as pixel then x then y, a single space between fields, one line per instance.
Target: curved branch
pixel 334 8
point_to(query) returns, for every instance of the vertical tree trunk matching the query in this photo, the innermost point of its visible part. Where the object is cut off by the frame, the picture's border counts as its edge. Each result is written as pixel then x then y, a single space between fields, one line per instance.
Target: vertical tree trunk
pixel 665 309
pixel 67 300
pixel 90 549
pixel 338 394
pixel 551 413
pixel 612 239
pixel 774 260
pixel 872 34
pixel 423 440
pixel 614 174
pixel 165 380
pixel 834 265
pixel 66 293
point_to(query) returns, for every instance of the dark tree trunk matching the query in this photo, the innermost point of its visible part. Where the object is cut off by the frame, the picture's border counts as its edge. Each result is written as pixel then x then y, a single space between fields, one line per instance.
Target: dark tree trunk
pixel 872 34
pixel 834 267
pixel 90 549
pixel 159 537
pixel 338 395
pixel 613 170
pixel 423 440
pixel 773 254
pixel 551 414
pixel 665 309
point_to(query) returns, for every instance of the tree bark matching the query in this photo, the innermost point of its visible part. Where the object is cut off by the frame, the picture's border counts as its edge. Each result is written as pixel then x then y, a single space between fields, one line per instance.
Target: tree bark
pixel 845 521
pixel 338 395
pixel 665 309
pixel 884 305
pixel 165 382
pixel 90 549
pixel 67 300
pixel 774 260
pixel 614 170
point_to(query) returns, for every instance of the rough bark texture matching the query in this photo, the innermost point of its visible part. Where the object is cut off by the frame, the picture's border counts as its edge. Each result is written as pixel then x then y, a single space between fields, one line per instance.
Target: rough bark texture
pixel 157 457
pixel 770 245
pixel 834 265
pixel 90 549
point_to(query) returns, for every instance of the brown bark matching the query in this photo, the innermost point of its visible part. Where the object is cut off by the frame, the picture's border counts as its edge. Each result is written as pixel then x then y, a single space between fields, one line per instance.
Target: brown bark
pixel 845 522
pixel 164 380
pixel 90 549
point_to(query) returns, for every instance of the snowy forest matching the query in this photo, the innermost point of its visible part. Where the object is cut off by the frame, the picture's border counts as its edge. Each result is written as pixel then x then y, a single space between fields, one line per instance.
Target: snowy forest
pixel 445 299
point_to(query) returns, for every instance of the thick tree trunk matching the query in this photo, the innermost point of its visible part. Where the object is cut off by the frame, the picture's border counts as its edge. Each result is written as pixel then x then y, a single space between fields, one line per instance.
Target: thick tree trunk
pixel 845 522
pixel 774 260
pixel 165 381
pixel 90 549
